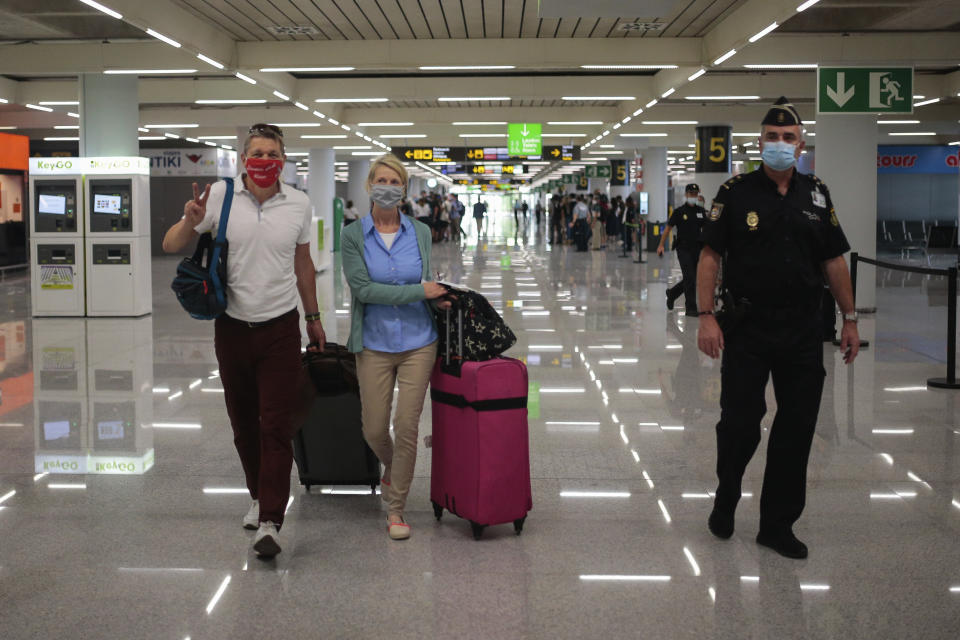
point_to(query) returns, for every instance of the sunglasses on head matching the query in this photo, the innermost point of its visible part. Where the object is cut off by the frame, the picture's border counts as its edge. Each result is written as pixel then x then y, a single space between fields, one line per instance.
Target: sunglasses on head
pixel 265 128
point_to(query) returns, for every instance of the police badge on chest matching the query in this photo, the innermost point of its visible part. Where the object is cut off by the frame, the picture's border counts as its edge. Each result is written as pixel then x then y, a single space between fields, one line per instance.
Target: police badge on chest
pixel 819 200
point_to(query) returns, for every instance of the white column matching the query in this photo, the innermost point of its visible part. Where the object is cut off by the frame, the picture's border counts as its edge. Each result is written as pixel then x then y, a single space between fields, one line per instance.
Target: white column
pixel 655 182
pixel 599 183
pixel 846 160
pixel 109 115
pixel 357 185
pixel 321 188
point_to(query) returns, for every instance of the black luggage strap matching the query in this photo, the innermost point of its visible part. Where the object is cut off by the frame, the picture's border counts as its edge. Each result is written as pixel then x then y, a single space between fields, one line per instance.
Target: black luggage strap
pixel 497 404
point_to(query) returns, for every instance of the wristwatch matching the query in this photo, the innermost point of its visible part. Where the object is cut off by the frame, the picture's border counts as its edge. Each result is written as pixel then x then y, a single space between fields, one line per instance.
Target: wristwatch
pixel 706 313
pixel 851 317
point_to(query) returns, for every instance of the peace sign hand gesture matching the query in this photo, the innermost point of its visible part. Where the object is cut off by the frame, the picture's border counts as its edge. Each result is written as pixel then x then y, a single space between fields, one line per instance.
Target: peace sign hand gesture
pixel 195 210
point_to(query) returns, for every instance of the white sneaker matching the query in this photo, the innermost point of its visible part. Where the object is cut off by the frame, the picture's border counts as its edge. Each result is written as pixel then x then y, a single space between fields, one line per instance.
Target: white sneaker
pixel 267 541
pixel 252 519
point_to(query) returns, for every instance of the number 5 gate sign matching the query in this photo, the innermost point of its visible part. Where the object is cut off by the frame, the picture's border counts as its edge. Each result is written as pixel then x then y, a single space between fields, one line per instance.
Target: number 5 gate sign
pixel 712 153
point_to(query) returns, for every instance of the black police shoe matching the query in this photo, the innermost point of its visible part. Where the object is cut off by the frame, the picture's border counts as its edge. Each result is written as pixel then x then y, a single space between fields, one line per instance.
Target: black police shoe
pixel 720 523
pixel 670 300
pixel 784 543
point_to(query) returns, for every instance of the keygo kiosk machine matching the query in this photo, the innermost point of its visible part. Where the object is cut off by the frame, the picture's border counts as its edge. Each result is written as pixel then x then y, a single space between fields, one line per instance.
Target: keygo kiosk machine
pixel 57 282
pixel 117 198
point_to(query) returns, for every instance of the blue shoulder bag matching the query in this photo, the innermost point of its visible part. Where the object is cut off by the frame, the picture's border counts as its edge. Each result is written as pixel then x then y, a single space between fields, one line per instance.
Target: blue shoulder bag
pixel 201 287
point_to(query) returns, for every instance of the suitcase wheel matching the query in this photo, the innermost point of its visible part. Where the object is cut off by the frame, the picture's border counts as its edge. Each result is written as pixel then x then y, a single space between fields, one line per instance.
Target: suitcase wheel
pixel 518 524
pixel 477 529
pixel 437 510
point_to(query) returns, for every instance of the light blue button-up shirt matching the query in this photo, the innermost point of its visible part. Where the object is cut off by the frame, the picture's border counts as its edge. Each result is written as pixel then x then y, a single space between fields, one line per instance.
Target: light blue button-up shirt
pixel 395 328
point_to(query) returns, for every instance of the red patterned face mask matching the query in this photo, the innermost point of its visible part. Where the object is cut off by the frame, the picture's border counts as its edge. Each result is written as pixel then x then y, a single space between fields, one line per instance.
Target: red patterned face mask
pixel 264 171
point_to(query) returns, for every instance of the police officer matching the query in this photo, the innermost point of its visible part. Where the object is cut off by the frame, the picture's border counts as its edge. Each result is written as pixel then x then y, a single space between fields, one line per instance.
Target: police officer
pixel 777 235
pixel 688 220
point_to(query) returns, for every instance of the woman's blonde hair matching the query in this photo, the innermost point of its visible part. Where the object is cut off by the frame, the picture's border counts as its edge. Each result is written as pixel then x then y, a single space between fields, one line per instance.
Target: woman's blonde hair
pixel 391 162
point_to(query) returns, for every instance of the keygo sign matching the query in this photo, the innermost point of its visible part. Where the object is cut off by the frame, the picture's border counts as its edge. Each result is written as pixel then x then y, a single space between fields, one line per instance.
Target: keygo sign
pixel 865 90
pixel 524 139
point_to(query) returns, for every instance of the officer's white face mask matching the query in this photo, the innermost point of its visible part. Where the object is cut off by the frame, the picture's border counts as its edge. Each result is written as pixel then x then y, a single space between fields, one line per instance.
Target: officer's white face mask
pixel 778 155
pixel 692 202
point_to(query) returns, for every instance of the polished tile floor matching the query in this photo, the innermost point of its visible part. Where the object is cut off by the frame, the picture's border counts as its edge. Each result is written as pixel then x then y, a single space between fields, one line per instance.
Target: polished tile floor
pixel 122 495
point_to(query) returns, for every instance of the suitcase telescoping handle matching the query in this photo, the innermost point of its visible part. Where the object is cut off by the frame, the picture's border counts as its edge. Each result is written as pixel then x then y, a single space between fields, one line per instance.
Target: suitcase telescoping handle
pixel 447 329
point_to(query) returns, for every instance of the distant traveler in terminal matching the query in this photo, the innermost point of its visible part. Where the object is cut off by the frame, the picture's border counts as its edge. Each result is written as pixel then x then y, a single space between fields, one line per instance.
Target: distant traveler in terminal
pixel 257 340
pixel 777 235
pixel 479 209
pixel 386 261
pixel 688 220
pixel 350 214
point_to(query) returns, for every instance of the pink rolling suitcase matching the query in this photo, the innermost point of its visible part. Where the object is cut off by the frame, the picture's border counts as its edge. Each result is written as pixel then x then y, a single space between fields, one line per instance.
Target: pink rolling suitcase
pixel 480 469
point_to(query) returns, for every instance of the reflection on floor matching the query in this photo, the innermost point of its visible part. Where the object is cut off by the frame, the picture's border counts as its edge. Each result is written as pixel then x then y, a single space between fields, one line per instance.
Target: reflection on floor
pixel 122 495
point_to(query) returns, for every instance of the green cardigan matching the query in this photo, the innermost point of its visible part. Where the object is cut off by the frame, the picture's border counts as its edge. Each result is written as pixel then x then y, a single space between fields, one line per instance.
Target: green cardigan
pixel 364 291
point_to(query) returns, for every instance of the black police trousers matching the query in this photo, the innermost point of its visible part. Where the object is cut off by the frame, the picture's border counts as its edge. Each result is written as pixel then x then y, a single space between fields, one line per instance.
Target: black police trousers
pixel 785 345
pixel 688 259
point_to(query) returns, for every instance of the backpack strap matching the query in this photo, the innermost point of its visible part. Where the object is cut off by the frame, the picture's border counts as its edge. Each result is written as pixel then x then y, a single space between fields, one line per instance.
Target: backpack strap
pixel 221 240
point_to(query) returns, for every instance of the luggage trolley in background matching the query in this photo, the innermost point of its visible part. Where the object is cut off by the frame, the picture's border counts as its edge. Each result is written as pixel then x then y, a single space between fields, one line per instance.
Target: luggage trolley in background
pixel 480 467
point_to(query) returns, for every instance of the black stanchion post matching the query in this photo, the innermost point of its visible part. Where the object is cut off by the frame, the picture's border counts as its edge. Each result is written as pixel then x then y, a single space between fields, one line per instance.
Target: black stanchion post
pixel 950 382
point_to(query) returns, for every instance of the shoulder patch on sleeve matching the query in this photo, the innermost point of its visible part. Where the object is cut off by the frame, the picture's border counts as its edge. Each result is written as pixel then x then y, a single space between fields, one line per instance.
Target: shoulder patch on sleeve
pixel 732 181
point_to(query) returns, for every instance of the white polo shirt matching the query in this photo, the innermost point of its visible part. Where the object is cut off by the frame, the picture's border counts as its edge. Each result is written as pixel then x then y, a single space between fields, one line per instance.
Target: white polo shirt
pixel 261 280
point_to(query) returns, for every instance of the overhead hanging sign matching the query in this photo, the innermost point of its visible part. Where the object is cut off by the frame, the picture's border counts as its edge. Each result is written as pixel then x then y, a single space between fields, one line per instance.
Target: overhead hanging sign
pixel 524 138
pixel 461 155
pixel 865 90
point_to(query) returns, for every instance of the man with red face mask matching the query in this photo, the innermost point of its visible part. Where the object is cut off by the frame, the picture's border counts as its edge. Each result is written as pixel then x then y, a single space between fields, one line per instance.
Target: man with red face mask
pixel 257 339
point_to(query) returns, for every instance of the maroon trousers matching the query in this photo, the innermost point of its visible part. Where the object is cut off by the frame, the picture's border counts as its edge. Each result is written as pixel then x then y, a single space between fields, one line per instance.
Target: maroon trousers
pixel 261 372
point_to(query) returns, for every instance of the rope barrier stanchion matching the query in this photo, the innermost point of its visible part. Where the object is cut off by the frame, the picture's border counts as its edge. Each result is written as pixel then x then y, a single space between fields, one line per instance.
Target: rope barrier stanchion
pixel 950 382
pixel 641 240
pixel 854 260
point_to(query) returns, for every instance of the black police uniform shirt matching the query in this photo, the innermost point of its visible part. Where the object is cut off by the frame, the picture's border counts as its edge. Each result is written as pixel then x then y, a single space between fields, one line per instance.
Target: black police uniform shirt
pixel 773 245
pixel 688 220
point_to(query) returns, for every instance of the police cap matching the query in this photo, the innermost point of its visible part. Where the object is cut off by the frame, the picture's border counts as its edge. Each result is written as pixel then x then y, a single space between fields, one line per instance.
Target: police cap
pixel 782 114
pixel 693 186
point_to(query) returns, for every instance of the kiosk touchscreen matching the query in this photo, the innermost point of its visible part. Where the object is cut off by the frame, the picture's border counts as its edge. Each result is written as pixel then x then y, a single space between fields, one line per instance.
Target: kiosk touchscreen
pixel 110 206
pixel 55 206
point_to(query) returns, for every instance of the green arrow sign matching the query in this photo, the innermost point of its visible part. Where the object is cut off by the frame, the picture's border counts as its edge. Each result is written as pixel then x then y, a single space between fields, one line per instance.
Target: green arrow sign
pixel 603 171
pixel 591 171
pixel 865 90
pixel 524 139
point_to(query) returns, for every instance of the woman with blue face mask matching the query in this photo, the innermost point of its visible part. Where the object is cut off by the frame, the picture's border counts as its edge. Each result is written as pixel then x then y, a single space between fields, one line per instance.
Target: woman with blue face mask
pixel 386 260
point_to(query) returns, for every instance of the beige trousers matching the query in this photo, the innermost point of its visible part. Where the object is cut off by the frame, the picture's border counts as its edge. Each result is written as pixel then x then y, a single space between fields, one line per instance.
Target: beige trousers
pixel 377 372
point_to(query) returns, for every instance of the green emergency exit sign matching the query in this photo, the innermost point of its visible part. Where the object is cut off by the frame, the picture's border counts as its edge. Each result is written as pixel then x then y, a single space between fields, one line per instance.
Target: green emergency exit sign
pixel 525 138
pixel 865 90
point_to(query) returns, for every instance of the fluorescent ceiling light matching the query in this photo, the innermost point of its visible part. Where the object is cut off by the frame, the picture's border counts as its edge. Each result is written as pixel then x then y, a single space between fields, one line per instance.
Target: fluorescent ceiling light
pixel 563 135
pixel 72 114
pixel 328 136
pixel 628 66
pixel 100 7
pixel 67 126
pixel 347 147
pixel 38 107
pixel 366 153
pixel 722 98
pixel 588 98
pixel 243 101
pixel 651 104
pixel 608 146
pixel 725 57
pixel 295 125
pixel 194 140
pixel 469 67
pixel 217 137
pixel 759 35
pixel 388 136
pixel 669 92
pixel 643 135
pixel 806 65
pixel 898 122
pixel 171 126
pixel 387 124
pixel 669 122
pixel 478 123
pixel 58 103
pixel 142 138
pixel 300 105
pixel 176 425
pixel 210 61
pixel 926 102
pixel 281 95
pixel 329 100
pixel 147 72
pixel 911 133
pixel 806 5
pixel 61 139
pixel 483 135
pixel 473 99
pixel 696 75
pixel 600 153
pixel 160 36
pixel 175 136
pixel 8 128
pixel 247 79
pixel 626 120
pixel 745 135
pixel 66 486
pixel 637 112
pixel 574 122
pixel 304 69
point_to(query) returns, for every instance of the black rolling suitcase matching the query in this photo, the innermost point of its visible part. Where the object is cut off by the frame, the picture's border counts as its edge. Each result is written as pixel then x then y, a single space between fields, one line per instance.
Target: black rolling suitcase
pixel 329 447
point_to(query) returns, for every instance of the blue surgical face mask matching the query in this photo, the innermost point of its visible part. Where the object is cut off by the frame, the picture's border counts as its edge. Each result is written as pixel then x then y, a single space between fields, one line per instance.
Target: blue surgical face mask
pixel 779 156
